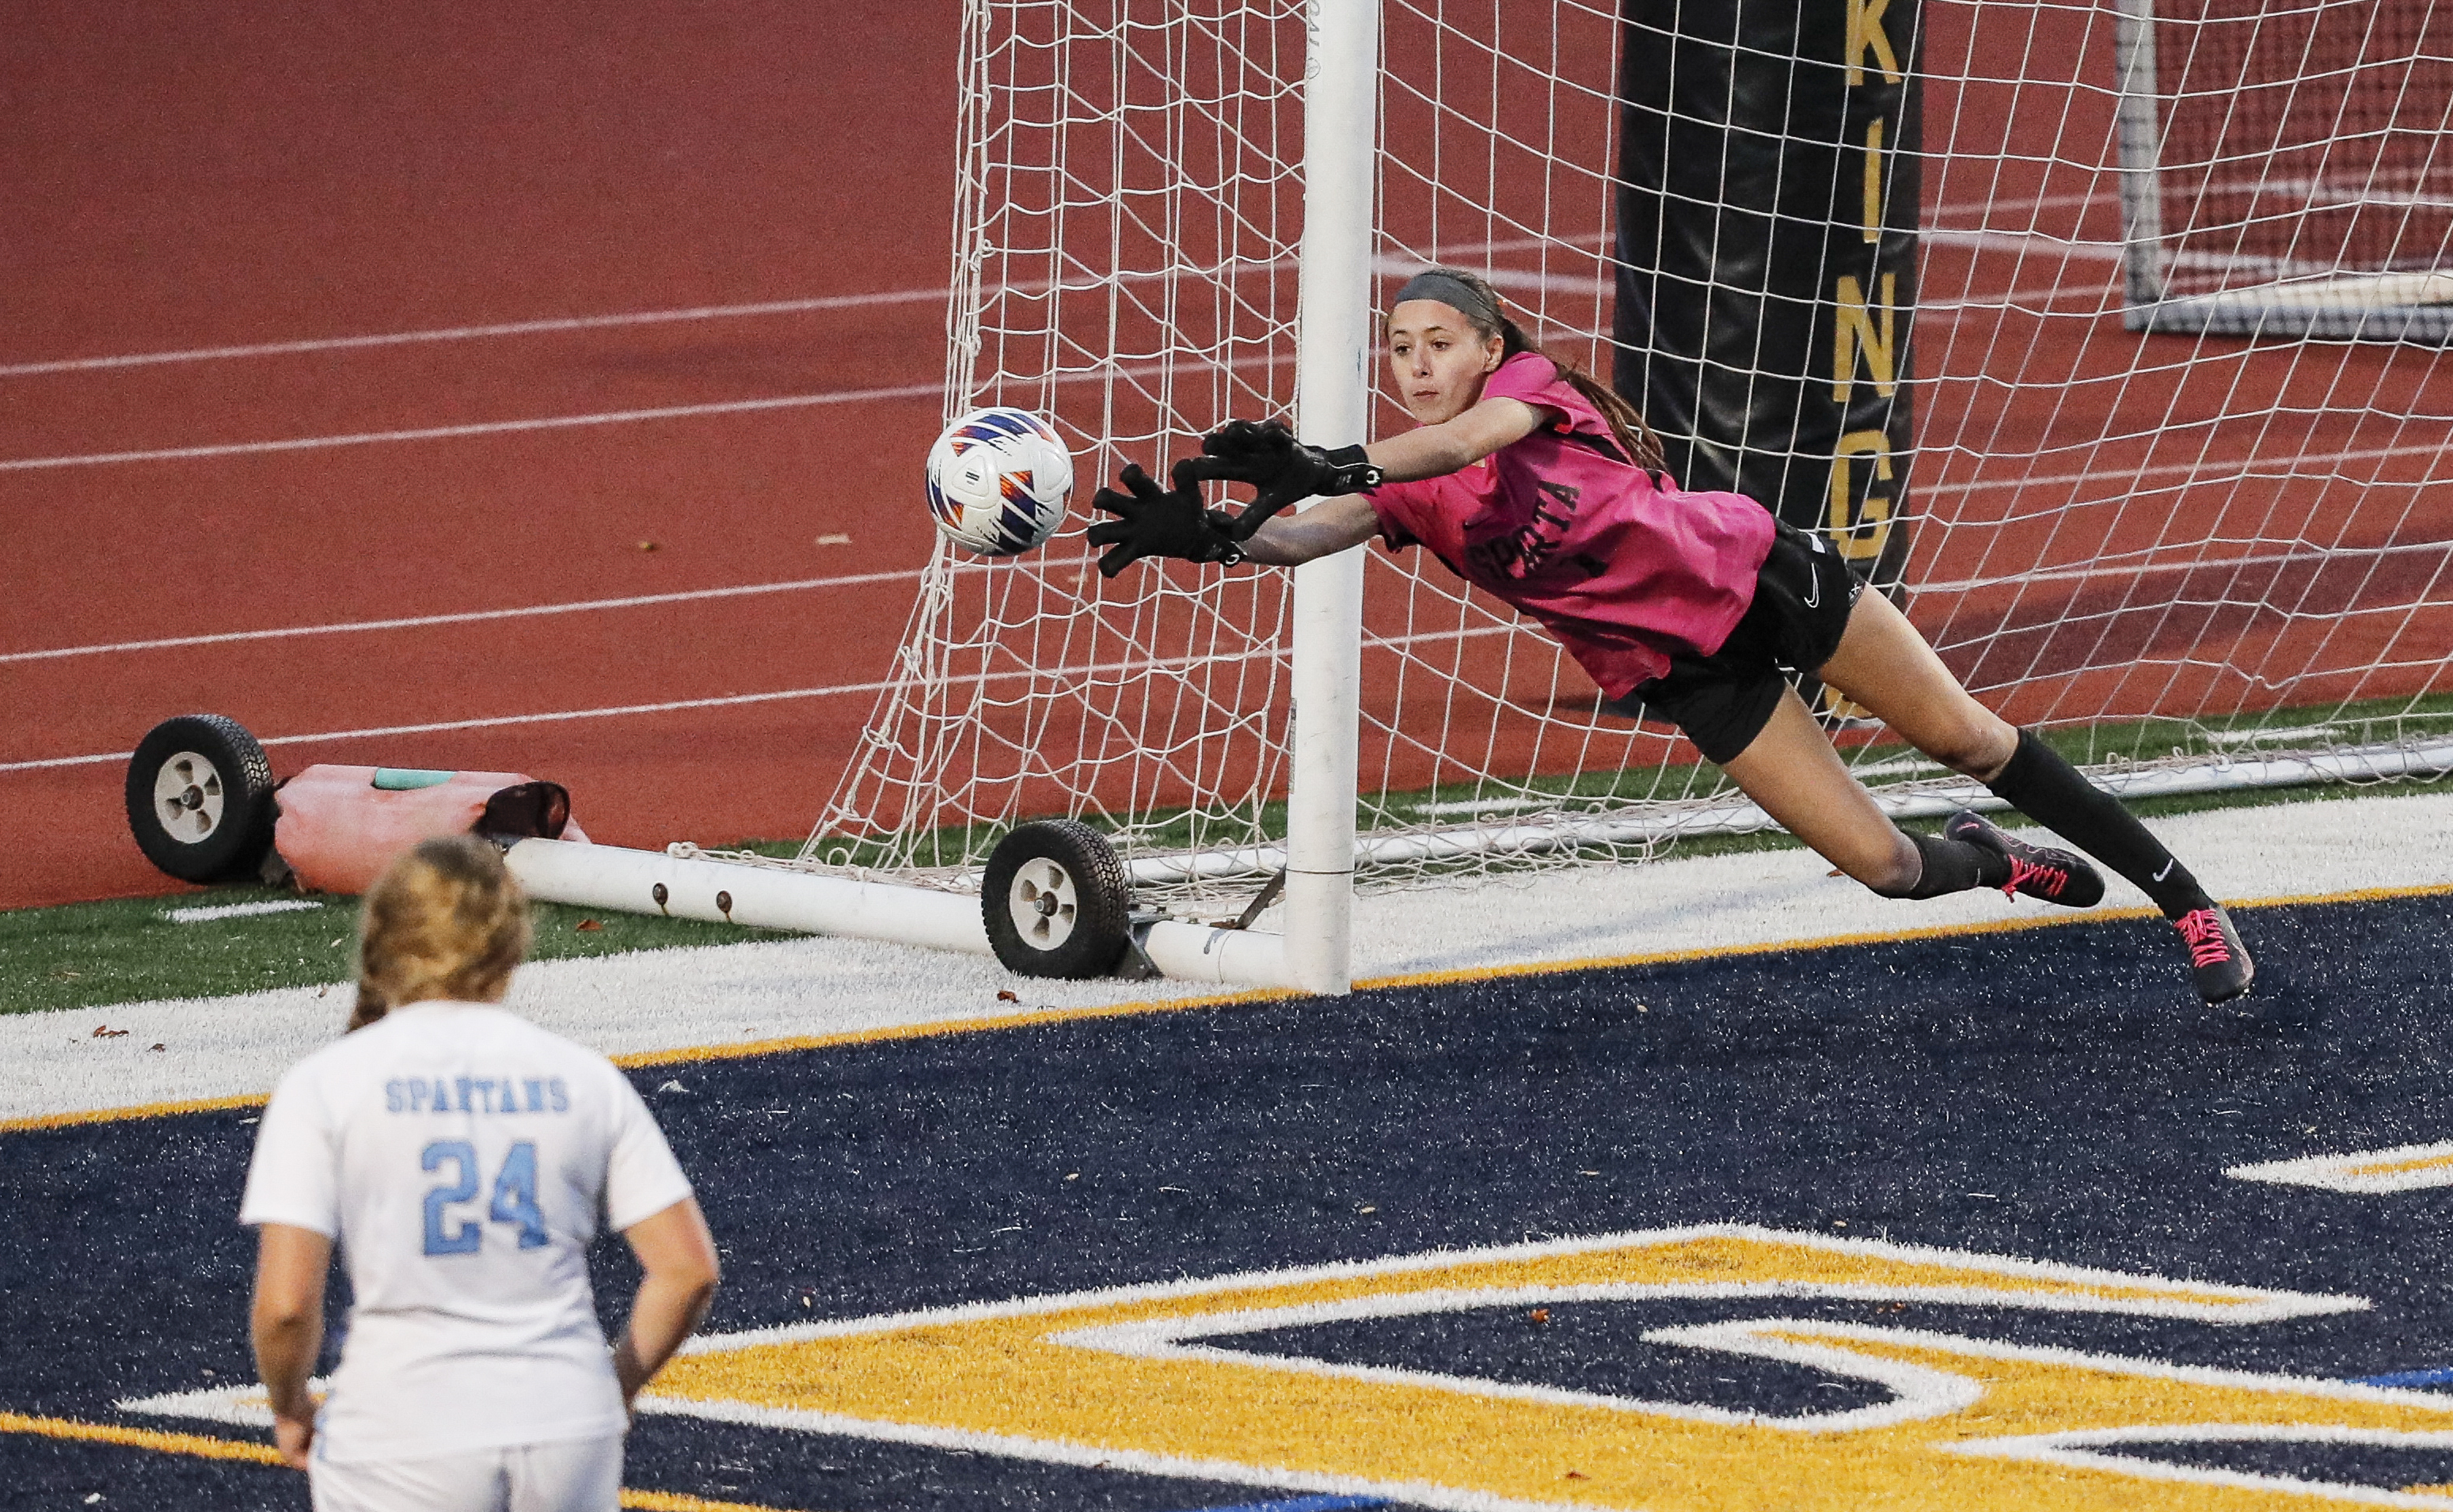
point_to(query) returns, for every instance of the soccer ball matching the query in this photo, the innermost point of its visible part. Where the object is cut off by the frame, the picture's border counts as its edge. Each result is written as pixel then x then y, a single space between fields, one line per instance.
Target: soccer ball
pixel 998 481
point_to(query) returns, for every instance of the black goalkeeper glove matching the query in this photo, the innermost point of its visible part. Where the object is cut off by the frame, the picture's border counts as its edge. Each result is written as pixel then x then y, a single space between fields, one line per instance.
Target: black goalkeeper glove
pixel 1281 469
pixel 1151 521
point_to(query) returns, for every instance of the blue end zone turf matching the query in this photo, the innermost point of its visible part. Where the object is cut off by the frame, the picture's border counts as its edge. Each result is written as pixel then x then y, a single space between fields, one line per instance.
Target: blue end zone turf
pixel 2054 1095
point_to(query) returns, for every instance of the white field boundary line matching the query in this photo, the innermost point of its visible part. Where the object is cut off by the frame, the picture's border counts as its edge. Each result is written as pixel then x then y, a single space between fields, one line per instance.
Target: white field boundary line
pixel 418 621
pixel 512 328
pixel 239 910
pixel 1131 668
pixel 1541 836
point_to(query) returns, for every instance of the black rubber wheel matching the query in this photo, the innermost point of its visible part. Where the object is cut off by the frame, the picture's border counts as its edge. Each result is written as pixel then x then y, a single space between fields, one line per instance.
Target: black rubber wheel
pixel 200 798
pixel 1056 901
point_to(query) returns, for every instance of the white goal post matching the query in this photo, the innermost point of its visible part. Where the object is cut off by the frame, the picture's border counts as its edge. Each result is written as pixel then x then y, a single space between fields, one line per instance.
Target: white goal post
pixel 1335 344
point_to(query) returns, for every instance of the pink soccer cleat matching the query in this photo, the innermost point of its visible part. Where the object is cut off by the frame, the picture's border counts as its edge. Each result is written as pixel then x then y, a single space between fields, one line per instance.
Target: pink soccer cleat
pixel 2218 961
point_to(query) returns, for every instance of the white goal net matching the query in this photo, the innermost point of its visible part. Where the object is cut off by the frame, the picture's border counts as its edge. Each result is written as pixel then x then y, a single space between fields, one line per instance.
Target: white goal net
pixel 2191 552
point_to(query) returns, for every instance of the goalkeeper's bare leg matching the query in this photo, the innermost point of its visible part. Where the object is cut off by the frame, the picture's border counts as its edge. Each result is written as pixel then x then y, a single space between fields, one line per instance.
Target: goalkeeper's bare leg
pixel 1884 666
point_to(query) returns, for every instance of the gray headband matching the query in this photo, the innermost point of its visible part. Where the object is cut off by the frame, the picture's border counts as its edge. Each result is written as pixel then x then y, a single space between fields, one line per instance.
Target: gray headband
pixel 1451 290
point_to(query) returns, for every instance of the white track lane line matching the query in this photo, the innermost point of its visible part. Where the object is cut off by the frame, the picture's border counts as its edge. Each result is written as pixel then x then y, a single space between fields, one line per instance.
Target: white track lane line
pixel 842 396
pixel 1118 669
pixel 651 317
pixel 2216 470
pixel 2139 569
pixel 559 716
pixel 474 616
pixel 1384 265
pixel 514 327
pixel 491 427
pixel 553 323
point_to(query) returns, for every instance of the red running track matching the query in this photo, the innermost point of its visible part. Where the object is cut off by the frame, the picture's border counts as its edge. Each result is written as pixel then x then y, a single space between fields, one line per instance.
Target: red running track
pixel 213 177
pixel 229 179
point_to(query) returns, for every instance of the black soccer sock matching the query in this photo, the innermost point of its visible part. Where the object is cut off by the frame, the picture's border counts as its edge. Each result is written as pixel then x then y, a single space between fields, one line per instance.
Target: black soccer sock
pixel 1952 866
pixel 2049 790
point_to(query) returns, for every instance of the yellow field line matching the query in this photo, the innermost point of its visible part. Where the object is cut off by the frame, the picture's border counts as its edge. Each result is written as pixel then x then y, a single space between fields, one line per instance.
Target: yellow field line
pixel 202 1445
pixel 678 1501
pixel 112 1115
pixel 1026 1018
pixel 1838 942
pixel 206 1447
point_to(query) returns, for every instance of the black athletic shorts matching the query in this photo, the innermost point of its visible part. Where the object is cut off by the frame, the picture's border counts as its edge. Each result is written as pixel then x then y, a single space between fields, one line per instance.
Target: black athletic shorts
pixel 1722 701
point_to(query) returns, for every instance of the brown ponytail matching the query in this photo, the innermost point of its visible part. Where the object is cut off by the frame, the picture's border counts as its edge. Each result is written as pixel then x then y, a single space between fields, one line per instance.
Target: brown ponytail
pixel 1634 437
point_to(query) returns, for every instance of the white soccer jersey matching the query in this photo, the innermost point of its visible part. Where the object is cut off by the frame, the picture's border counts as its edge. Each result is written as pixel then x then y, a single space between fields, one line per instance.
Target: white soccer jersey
pixel 463 1158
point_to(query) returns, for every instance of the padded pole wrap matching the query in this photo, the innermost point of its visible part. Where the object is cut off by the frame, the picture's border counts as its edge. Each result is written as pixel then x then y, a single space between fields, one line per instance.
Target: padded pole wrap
pixel 340 826
pixel 1767 255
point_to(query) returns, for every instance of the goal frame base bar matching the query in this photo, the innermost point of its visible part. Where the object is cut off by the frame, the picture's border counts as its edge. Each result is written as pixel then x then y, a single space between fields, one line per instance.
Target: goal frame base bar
pixel 2365 764
pixel 658 884
pixel 2416 308
pixel 1934 801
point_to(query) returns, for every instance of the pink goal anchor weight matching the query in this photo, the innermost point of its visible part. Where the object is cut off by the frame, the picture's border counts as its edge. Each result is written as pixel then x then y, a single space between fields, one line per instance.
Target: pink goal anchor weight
pixel 340 826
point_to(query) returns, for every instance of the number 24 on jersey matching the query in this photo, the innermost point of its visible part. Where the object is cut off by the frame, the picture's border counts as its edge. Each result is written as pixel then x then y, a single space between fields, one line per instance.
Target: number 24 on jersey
pixel 513 1201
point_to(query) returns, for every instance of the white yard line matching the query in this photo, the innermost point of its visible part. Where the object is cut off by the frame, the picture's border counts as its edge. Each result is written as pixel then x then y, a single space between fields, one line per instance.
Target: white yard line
pixel 239 910
pixel 675 999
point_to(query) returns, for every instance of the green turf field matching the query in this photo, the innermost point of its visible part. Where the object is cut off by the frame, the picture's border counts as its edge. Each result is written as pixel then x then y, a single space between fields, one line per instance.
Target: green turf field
pixel 86 954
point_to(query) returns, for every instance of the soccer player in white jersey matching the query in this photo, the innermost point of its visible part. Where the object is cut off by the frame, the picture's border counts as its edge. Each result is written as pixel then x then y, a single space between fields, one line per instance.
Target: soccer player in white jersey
pixel 463 1158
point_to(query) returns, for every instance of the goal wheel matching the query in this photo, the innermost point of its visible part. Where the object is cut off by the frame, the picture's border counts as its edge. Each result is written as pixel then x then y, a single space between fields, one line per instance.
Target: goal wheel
pixel 200 798
pixel 1056 901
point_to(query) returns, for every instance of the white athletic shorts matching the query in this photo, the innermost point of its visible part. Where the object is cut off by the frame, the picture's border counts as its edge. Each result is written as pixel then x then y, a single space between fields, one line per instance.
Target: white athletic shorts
pixel 574 1474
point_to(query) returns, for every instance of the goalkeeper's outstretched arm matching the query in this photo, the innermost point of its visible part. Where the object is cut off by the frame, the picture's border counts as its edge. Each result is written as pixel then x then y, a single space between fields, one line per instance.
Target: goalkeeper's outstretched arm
pixel 1328 527
pixel 1282 470
pixel 1433 451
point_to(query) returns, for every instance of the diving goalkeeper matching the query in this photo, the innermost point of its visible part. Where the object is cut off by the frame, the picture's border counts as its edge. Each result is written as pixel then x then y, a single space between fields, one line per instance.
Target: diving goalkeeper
pixel 1535 482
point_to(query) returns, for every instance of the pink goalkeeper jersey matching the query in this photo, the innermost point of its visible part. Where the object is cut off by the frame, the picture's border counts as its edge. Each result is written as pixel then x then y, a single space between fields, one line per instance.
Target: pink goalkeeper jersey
pixel 1618 564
